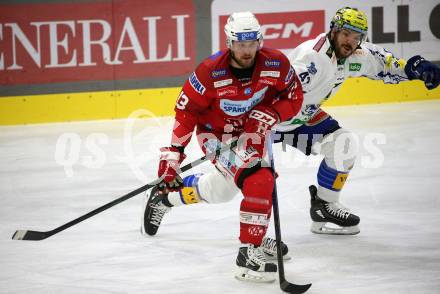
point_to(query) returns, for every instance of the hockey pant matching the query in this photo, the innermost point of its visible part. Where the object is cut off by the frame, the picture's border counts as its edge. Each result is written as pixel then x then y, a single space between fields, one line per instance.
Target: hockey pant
pixel 323 135
pixel 221 186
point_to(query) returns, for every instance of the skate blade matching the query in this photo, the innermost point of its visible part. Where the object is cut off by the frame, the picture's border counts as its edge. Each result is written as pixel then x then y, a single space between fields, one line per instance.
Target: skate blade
pixel 247 275
pixel 324 228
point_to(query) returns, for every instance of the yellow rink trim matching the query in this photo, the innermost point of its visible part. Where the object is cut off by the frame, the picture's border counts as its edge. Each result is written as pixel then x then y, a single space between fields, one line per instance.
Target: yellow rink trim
pixel 119 104
pixel 85 106
pixel 356 91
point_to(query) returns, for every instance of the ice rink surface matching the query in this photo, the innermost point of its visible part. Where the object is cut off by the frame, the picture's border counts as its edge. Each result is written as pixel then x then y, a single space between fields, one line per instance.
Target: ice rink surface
pixel 53 173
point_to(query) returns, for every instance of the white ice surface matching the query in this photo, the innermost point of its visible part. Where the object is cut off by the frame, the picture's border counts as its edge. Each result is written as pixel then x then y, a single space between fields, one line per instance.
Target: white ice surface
pixel 397 251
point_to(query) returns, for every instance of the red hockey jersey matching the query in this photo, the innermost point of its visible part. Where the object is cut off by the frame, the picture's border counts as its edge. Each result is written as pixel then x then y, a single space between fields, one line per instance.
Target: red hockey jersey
pixel 215 101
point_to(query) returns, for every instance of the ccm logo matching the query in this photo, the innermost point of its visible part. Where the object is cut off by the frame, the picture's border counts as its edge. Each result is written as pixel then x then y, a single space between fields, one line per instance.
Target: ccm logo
pixel 263 117
pixel 285 30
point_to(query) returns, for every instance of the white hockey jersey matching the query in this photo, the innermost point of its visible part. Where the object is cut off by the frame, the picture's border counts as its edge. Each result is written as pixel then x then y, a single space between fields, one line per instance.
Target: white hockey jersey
pixel 321 74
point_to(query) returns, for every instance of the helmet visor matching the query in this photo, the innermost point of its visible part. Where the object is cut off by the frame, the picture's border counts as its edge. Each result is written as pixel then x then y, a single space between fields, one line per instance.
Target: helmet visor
pixel 353 32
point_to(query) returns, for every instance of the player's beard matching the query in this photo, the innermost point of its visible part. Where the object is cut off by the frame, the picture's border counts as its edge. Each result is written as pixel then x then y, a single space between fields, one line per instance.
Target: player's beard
pixel 344 50
pixel 246 62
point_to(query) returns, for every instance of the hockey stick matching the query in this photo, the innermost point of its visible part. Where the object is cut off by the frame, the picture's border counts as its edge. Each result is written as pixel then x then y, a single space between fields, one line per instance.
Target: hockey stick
pixel 285 285
pixel 38 235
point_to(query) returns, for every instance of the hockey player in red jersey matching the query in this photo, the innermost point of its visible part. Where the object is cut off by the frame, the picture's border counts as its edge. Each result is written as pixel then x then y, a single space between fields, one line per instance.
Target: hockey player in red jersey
pixel 240 92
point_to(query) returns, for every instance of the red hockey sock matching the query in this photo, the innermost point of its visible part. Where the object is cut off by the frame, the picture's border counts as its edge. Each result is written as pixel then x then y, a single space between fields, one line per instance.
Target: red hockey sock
pixel 255 208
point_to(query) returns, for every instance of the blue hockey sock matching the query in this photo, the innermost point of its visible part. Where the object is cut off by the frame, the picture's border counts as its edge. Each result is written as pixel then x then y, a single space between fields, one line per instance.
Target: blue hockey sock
pixel 330 178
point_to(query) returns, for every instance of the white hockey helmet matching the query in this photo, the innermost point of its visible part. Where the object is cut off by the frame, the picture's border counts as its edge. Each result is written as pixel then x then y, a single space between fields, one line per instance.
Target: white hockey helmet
pixel 242 26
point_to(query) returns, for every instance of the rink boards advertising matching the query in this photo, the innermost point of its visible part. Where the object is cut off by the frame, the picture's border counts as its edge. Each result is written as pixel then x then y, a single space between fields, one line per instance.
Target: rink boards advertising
pixel 81 60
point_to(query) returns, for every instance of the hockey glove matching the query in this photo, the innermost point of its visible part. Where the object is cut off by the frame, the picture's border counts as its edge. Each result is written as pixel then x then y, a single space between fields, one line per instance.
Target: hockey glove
pixel 419 68
pixel 170 159
pixel 257 126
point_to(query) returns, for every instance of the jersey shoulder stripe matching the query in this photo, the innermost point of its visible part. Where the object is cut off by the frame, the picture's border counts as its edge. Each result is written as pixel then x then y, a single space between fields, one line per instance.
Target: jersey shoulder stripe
pixel 319 44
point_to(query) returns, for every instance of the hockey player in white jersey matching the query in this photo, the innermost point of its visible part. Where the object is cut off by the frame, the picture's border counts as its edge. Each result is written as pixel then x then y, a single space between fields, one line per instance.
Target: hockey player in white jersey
pixel 322 65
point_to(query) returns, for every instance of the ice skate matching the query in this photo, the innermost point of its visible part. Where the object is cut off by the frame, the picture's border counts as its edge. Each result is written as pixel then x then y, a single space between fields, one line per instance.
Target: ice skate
pixel 153 213
pixel 253 266
pixel 269 247
pixel 331 217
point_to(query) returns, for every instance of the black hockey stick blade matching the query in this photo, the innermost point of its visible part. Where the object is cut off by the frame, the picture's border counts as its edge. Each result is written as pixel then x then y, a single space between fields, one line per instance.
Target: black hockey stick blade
pixel 37 236
pixel 30 235
pixel 293 288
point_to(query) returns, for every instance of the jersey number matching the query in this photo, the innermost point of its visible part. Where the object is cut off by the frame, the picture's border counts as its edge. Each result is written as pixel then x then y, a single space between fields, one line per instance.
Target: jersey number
pixel 305 78
pixel 182 101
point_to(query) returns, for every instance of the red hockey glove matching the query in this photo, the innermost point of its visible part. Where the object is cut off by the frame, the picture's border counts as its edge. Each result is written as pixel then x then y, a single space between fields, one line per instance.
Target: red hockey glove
pixel 170 159
pixel 260 121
